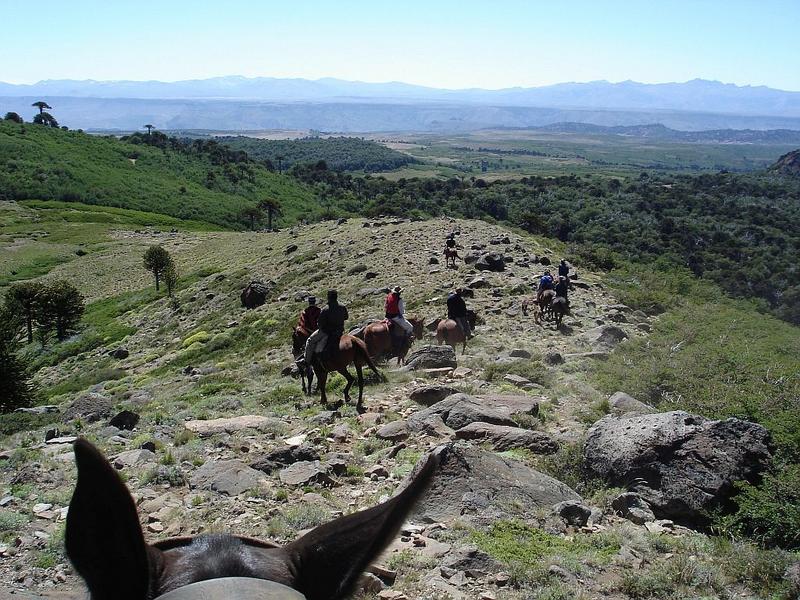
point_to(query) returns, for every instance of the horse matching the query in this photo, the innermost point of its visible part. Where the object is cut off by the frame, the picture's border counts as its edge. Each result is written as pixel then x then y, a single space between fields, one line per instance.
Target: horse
pixel 105 543
pixel 545 301
pixel 350 350
pixel 299 338
pixel 537 310
pixel 559 308
pixel 449 332
pixel 380 341
pixel 450 256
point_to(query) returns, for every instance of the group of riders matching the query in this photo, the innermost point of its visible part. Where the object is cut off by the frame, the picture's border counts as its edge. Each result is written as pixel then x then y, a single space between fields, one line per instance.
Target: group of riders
pixel 328 323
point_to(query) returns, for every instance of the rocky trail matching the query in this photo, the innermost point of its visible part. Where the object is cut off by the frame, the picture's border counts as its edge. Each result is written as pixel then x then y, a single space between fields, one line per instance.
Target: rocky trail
pixel 210 436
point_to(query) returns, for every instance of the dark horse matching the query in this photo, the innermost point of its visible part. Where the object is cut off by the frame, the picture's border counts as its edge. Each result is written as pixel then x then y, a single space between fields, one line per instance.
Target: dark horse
pixel 299 338
pixel 559 307
pixel 450 256
pixel 105 543
pixel 350 350
pixel 381 342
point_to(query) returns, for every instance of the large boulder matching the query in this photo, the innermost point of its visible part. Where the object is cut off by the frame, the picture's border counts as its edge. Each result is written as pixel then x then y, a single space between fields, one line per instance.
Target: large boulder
pixel 432 357
pixel 504 437
pixel 604 336
pixel 492 261
pixel 681 464
pixel 229 477
pixel 473 483
pixel 209 427
pixel 88 407
pixel 459 410
pixel 305 472
pixel 255 294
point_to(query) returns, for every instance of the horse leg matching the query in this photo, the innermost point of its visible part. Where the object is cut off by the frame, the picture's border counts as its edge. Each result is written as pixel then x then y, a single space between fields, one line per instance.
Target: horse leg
pixel 360 406
pixel 322 383
pixel 350 379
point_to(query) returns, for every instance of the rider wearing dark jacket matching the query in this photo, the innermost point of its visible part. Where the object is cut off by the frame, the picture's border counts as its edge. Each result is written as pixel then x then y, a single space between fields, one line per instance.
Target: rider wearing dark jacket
pixel 333 316
pixel 563 269
pixel 457 310
pixel 562 287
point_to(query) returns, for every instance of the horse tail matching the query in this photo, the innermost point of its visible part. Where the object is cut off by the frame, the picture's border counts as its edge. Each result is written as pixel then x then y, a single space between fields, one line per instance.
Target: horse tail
pixel 361 350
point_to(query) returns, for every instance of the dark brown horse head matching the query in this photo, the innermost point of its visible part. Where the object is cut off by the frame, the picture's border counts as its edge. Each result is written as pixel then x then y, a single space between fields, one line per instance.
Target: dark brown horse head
pixel 418 324
pixel 105 543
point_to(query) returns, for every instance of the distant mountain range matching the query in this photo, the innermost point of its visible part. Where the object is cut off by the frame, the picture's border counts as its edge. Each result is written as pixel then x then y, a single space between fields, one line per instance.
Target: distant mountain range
pixel 237 103
pixel 698 95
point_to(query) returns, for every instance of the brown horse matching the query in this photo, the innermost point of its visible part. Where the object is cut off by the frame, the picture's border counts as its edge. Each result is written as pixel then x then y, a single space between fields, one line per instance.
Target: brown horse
pixel 545 302
pixel 350 350
pixel 105 543
pixel 450 256
pixel 381 343
pixel 448 332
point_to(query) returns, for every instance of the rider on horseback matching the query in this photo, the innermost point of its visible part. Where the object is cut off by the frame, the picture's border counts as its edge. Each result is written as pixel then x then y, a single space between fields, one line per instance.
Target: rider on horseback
pixel 545 283
pixel 309 317
pixel 330 326
pixel 395 308
pixel 563 268
pixel 451 241
pixel 562 287
pixel 457 311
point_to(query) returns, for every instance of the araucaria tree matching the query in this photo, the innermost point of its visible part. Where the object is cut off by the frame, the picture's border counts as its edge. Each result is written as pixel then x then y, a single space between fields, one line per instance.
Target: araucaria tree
pixel 171 277
pixel 61 307
pixel 23 300
pixel 41 105
pixel 149 128
pixel 15 388
pixel 45 119
pixel 272 208
pixel 13 117
pixel 157 260
pixel 252 214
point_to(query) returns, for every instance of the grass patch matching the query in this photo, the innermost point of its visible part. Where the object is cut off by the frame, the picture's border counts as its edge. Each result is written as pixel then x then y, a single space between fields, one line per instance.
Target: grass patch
pixel 532 369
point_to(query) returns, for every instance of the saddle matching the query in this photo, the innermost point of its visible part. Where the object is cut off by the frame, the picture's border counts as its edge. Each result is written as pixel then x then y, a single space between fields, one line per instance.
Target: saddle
pixel 394 329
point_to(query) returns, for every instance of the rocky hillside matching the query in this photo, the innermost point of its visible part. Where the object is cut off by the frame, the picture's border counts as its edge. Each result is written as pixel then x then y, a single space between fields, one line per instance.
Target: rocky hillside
pixel 550 489
pixel 788 164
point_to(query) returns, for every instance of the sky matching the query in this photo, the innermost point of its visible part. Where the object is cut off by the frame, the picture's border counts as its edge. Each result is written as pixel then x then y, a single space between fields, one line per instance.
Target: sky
pixel 439 43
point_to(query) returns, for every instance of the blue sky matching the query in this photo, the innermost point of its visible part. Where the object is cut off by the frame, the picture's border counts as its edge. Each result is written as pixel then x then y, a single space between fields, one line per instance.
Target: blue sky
pixel 445 43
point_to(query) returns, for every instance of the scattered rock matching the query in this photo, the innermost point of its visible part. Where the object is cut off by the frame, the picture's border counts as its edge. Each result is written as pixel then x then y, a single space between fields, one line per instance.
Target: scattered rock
pixel 459 410
pixel 133 458
pixel 621 404
pixel 126 420
pixel 432 357
pixel 519 353
pixel 119 353
pixel 281 457
pixel 290 248
pixel 230 477
pixel 233 424
pixel 394 431
pixel 478 283
pixel 605 336
pixel 573 512
pixel 492 261
pixel 255 294
pixel 553 358
pixel 470 560
pixel 683 465
pixel 431 394
pixel 503 437
pixel 633 507
pixel 305 473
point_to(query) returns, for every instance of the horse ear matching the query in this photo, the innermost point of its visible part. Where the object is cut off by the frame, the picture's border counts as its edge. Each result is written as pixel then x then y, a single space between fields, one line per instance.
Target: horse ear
pixel 103 537
pixel 329 560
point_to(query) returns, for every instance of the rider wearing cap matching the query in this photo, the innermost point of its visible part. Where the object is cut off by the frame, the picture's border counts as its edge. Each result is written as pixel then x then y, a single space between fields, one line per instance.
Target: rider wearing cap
pixel 395 309
pixel 330 325
pixel 562 287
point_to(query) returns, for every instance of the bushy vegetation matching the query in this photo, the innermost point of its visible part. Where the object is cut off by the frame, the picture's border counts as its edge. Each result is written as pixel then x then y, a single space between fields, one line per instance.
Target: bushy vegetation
pixel 719 358
pixel 201 181
pixel 341 153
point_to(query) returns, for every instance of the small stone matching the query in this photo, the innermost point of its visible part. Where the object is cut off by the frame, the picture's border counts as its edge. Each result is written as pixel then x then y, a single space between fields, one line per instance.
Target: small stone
pixel 155 527
pixel 41 507
pixel 377 472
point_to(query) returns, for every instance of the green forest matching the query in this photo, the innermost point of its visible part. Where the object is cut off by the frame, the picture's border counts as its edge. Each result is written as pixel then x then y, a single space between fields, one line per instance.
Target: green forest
pixel 339 153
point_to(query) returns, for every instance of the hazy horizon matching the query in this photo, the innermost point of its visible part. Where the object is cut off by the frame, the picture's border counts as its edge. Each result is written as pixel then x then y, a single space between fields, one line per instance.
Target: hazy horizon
pixel 447 44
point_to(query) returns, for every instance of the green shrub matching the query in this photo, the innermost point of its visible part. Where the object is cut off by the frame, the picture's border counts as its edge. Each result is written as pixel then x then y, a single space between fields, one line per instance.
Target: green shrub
pixel 532 369
pixel 12 423
pixel 198 337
